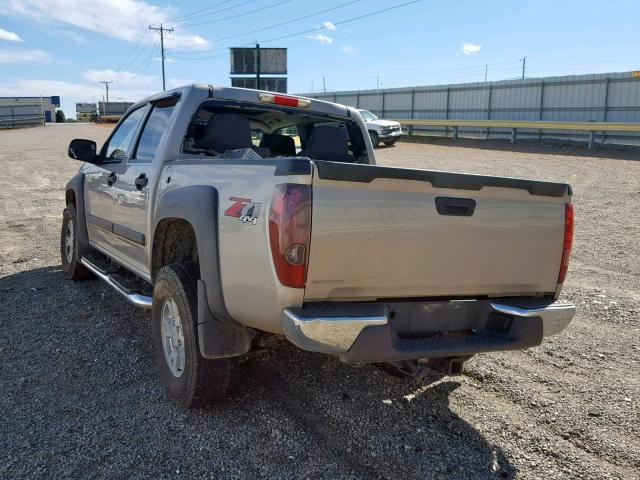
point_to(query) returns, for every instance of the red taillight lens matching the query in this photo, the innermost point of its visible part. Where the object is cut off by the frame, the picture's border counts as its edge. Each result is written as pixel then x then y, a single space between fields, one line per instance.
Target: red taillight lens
pixel 284 100
pixel 289 232
pixel 568 242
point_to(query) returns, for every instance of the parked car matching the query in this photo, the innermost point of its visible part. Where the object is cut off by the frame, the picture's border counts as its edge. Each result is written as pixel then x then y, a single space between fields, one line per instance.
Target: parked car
pixel 385 131
pixel 200 207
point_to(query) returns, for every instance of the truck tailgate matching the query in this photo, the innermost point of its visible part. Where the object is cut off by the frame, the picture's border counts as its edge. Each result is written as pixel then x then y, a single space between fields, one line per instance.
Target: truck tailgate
pixel 382 232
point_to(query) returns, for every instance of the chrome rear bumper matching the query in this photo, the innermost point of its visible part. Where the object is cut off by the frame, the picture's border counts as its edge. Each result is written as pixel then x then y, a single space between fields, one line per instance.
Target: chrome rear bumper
pixel 555 317
pixel 369 332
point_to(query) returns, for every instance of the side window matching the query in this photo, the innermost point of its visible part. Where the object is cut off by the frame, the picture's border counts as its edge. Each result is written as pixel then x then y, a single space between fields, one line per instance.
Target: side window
pixel 121 142
pixel 157 124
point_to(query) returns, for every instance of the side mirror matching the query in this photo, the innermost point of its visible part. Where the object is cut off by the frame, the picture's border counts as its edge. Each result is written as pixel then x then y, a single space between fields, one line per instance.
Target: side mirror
pixel 83 150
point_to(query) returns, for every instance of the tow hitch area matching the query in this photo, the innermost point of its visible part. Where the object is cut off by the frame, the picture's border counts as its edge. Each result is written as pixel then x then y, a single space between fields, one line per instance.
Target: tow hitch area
pixel 425 367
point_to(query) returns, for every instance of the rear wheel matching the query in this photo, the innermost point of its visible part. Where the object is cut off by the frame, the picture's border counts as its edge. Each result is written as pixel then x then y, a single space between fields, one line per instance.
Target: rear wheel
pixel 190 379
pixel 71 265
pixel 375 139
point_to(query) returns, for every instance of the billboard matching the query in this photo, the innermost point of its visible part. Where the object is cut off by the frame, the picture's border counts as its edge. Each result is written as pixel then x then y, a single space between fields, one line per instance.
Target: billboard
pixel 114 108
pixel 271 84
pixel 272 61
pixel 86 108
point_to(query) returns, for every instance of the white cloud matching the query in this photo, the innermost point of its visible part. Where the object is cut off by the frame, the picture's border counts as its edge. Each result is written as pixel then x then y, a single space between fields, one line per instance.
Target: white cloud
pixel 329 26
pixel 120 78
pixel 323 39
pixel 72 93
pixel 123 19
pixel 469 48
pixel 9 36
pixel 349 50
pixel 71 35
pixel 25 56
pixel 198 40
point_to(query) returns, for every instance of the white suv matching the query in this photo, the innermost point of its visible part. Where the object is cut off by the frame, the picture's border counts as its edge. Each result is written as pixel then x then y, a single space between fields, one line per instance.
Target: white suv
pixel 386 131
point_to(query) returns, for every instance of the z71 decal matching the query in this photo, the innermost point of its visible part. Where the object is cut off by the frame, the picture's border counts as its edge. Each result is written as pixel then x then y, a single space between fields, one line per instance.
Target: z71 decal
pixel 244 209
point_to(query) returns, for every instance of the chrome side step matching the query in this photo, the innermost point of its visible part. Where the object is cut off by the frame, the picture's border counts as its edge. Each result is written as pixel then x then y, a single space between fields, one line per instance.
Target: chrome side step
pixel 137 299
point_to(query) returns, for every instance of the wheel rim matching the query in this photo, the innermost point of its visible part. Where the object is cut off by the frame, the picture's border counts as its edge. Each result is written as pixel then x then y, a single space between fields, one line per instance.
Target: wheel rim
pixel 172 337
pixel 68 242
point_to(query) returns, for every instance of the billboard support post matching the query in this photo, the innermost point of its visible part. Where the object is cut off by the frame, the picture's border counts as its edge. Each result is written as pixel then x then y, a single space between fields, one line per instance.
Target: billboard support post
pixel 257 66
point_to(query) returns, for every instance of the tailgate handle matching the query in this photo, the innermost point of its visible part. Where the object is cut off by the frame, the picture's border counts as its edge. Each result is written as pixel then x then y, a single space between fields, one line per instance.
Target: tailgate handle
pixel 457 207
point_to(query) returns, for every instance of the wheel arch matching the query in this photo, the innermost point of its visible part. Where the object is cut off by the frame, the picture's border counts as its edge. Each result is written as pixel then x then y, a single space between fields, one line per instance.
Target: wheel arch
pixel 195 208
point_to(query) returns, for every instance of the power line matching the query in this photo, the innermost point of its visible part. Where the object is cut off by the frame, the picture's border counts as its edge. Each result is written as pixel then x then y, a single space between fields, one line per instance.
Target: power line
pixel 183 19
pixel 348 20
pixel 315 29
pixel 201 10
pixel 275 25
pixel 131 57
pixel 143 68
pixel 237 15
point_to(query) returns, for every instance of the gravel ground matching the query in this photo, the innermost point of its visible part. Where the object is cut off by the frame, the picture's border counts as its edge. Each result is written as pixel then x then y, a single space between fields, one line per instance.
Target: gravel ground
pixel 80 396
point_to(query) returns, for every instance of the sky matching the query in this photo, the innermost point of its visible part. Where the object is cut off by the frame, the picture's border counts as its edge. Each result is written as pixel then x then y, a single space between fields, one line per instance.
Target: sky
pixel 66 47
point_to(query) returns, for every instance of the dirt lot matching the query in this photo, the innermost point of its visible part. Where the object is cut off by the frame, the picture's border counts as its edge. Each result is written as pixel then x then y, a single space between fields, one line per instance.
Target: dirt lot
pixel 80 397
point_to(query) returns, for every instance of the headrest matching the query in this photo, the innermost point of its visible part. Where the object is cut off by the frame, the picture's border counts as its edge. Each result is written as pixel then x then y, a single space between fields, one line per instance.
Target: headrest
pixel 226 131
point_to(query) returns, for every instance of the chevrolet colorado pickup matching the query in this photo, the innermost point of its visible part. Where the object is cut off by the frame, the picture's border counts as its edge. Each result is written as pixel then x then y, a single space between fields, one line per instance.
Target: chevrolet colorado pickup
pixel 236 215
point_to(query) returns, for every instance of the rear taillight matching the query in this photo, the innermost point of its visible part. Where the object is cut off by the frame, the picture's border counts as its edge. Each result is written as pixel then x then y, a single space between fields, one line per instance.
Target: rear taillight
pixel 568 242
pixel 289 232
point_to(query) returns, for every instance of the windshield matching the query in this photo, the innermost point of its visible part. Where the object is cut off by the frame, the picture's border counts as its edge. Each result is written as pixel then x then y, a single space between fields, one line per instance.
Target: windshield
pixel 368 116
pixel 248 131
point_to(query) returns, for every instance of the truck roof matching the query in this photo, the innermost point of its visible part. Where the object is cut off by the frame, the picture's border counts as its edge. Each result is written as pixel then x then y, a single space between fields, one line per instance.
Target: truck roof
pixel 243 94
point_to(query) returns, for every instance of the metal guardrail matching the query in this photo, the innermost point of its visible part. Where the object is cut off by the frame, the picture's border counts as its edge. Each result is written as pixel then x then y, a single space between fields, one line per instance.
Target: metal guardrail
pixel 110 118
pixel 514 125
pixel 12 122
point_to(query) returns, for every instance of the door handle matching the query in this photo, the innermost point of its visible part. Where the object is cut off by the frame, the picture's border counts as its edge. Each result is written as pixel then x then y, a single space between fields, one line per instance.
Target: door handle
pixel 141 181
pixel 457 207
pixel 111 179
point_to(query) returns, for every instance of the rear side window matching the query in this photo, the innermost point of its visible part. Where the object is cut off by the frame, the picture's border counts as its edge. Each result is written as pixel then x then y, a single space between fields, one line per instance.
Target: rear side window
pixel 121 142
pixel 157 124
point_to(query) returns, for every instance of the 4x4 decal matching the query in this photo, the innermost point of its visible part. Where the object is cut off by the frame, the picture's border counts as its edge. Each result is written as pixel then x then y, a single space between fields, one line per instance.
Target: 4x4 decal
pixel 244 209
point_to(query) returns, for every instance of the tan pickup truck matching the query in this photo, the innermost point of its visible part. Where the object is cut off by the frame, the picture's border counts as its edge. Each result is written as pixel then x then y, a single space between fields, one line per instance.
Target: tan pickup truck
pixel 236 215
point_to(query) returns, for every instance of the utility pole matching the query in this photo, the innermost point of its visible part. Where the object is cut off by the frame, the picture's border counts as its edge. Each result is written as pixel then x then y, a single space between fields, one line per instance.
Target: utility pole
pixel 106 85
pixel 524 65
pixel 324 85
pixel 486 67
pixel 257 66
pixel 162 30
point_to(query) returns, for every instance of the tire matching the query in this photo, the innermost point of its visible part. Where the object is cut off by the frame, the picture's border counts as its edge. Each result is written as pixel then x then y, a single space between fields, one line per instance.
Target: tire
pixel 375 139
pixel 71 266
pixel 190 379
pixel 390 143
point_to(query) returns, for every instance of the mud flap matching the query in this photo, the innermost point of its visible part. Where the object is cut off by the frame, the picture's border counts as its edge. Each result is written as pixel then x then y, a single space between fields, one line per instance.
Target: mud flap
pixel 218 339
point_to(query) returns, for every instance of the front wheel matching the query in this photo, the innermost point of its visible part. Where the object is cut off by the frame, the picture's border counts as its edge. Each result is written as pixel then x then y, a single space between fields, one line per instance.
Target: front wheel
pixel 375 138
pixel 390 143
pixel 71 266
pixel 190 379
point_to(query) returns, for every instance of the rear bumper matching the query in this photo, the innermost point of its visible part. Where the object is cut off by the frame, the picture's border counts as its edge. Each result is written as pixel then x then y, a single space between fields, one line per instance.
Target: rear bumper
pixel 393 331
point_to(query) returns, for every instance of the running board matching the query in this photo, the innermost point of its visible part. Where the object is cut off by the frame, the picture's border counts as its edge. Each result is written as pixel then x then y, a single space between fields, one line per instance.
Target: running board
pixel 137 299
